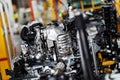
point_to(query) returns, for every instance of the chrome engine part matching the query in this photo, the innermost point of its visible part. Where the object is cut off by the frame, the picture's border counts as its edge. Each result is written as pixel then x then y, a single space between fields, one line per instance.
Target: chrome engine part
pixel 82 49
pixel 46 56
pixel 64 44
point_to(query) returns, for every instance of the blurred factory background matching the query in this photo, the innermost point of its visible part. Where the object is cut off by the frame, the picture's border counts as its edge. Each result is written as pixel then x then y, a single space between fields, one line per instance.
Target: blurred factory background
pixel 16 14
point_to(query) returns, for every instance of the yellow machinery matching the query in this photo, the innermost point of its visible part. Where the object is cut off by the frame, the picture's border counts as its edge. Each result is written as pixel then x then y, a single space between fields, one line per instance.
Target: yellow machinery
pixel 106 63
pixel 92 7
pixel 117 3
pixel 4 60
pixel 5 42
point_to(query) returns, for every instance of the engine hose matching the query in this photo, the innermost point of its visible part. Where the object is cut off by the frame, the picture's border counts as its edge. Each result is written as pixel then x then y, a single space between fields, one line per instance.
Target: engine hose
pixel 26 35
pixel 35 25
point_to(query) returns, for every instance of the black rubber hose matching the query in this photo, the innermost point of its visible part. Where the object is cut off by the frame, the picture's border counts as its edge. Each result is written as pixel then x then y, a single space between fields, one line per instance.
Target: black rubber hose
pixel 24 34
pixel 35 25
pixel 27 35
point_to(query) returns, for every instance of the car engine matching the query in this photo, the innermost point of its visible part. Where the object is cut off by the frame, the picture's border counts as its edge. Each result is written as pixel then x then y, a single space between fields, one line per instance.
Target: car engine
pixel 82 47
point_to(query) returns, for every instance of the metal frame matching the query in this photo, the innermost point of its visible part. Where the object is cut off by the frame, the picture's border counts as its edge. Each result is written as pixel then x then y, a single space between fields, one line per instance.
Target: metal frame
pixel 10 30
pixel 6 32
pixel 89 8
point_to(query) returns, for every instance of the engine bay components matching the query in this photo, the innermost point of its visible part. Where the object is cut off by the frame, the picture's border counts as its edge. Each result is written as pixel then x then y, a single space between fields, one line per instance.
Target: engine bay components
pixel 83 48
pixel 64 44
pixel 40 61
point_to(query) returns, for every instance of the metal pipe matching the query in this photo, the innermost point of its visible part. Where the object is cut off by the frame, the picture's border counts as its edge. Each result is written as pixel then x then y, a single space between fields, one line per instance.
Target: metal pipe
pixel 56 52
pixel 32 10
pixel 55 4
pixel 6 33
pixel 10 10
pixel 83 47
pixel 9 25
pixel 94 58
